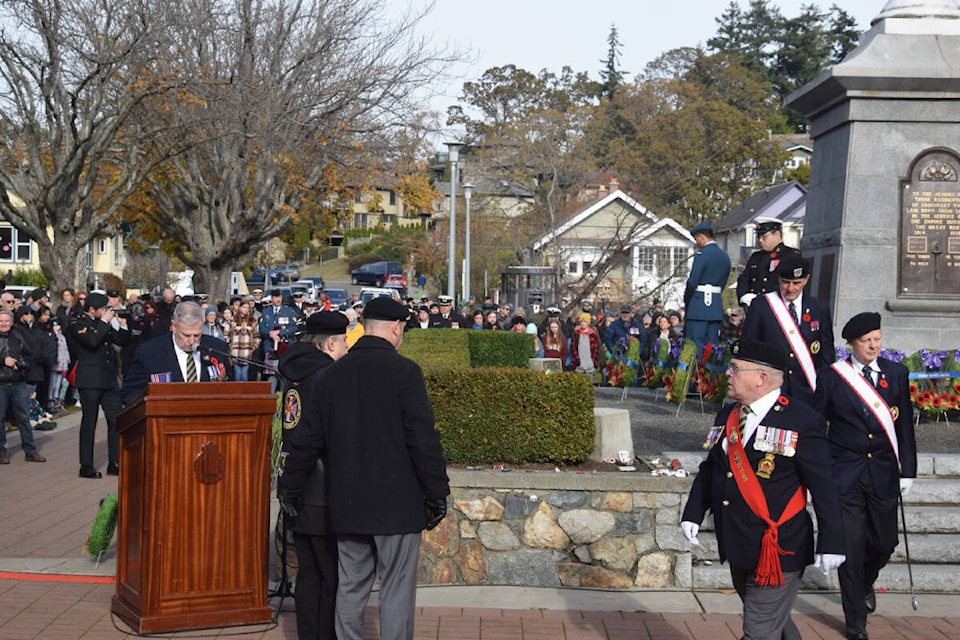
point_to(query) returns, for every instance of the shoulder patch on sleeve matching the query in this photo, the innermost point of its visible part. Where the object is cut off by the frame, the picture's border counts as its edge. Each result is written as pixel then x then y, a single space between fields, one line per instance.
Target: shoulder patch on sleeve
pixel 291 409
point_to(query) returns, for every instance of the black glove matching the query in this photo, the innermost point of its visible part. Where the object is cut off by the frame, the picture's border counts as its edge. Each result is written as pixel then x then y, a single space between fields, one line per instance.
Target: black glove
pixel 436 510
pixel 290 501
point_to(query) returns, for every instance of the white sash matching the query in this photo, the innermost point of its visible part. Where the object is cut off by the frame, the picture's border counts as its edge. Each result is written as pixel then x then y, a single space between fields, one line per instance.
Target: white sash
pixel 792 333
pixel 872 399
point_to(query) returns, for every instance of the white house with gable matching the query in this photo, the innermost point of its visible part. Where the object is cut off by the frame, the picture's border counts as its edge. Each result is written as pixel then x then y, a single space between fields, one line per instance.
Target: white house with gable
pixel 630 252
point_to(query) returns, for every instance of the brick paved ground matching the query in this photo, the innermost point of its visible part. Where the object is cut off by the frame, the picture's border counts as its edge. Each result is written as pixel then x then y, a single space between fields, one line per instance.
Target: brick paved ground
pixel 46 512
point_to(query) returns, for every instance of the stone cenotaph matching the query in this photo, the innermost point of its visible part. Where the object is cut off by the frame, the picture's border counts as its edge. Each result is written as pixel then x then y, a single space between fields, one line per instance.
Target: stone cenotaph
pixel 883 212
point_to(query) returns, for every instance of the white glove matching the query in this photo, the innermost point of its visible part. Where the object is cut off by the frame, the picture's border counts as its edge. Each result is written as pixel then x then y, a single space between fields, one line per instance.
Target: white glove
pixel 690 531
pixel 747 298
pixel 905 484
pixel 828 561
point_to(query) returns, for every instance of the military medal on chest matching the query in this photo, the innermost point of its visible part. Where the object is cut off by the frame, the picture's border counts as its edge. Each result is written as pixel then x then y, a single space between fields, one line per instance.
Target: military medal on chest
pixel 716 432
pixel 773 441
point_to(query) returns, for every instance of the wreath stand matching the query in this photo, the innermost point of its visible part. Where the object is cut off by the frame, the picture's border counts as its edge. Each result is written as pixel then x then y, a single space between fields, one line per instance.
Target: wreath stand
pixel 694 368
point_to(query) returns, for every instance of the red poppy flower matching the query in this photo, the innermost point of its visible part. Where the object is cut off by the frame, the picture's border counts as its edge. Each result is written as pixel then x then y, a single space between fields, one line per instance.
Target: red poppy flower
pixel 783 400
pixel 773 255
pixel 806 317
pixel 883 384
pixel 937 402
pixel 914 389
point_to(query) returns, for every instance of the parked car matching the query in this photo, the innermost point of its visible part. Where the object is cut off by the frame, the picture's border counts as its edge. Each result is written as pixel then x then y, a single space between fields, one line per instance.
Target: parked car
pixel 396 278
pixel 310 286
pixel 369 293
pixel 375 273
pixel 317 281
pixel 338 298
pixel 256 275
pixel 284 273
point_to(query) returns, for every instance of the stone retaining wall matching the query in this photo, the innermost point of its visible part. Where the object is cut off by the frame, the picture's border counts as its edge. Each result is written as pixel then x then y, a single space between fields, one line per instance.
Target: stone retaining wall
pixel 605 530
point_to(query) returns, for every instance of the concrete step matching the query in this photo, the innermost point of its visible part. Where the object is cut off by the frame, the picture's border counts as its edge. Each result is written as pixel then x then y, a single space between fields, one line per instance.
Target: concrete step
pixel 893 577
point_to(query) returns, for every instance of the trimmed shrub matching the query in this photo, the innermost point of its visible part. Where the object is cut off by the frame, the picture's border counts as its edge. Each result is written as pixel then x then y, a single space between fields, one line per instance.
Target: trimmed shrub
pixel 500 348
pixel 489 415
pixel 437 348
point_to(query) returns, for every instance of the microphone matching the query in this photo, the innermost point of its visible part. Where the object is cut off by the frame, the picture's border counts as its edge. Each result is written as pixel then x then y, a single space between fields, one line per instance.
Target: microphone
pixel 203 348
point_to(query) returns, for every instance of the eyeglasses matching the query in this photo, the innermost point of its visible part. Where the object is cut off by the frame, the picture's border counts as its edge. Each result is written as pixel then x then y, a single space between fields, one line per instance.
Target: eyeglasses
pixel 732 368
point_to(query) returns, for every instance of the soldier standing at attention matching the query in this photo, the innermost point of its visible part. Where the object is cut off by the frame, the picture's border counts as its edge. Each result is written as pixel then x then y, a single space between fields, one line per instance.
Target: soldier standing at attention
pixel 760 274
pixel 703 295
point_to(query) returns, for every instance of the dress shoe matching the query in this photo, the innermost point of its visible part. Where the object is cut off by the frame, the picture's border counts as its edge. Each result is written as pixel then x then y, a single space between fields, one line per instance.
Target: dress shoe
pixel 859 634
pixel 113 468
pixel 47 425
pixel 89 472
pixel 870 600
pixel 4 458
pixel 34 457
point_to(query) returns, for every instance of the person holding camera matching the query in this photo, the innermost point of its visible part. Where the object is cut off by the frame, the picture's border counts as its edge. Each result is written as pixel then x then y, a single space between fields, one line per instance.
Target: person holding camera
pixel 14 390
pixel 92 339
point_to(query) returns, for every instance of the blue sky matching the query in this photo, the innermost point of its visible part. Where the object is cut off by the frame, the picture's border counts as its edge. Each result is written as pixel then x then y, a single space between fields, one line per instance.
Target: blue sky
pixel 538 34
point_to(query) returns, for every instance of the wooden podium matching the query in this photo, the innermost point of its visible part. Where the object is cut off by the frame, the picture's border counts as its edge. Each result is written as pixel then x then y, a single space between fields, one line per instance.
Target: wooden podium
pixel 194 493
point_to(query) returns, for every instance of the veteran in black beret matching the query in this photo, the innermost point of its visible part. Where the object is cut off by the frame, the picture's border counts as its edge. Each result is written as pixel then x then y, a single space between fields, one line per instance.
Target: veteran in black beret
pixel 760 273
pixel 799 324
pixel 866 400
pixel 765 452
pixel 385 470
pixel 320 344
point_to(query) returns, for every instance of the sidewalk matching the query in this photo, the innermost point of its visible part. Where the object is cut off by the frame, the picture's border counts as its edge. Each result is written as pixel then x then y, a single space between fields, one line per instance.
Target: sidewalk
pixel 50 589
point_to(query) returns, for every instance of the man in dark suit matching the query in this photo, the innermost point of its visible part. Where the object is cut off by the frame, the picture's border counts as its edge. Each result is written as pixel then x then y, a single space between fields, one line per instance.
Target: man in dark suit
pixel 704 291
pixel 760 273
pixel 798 324
pixel 92 338
pixel 866 399
pixel 386 472
pixel 766 451
pixel 175 356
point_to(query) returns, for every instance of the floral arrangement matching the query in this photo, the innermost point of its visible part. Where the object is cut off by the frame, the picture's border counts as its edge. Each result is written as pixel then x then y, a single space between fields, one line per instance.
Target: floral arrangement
pixel 622 365
pixel 681 379
pixel 661 362
pixel 712 373
pixel 934 380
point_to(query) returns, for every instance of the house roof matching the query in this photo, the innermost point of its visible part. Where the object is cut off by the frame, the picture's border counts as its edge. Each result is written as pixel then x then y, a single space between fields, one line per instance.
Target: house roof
pixel 778 201
pixel 653 222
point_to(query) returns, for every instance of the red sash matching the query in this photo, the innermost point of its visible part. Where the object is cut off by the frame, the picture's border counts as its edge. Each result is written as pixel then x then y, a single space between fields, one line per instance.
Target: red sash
pixel 768 571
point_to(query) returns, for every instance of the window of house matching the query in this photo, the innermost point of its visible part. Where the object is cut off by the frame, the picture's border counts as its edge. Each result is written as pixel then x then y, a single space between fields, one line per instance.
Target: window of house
pixel 646 259
pixel 586 265
pixel 90 255
pixel 14 246
pixel 393 198
pixel 573 268
pixel 101 245
pixel 388 218
pixel 359 221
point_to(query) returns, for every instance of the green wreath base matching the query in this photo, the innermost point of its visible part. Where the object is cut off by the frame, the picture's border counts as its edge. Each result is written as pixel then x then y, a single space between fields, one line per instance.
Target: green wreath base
pixel 103 525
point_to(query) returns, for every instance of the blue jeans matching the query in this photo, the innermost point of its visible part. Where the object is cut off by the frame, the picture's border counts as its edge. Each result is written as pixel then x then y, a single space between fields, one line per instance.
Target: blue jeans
pixel 15 395
pixel 241 372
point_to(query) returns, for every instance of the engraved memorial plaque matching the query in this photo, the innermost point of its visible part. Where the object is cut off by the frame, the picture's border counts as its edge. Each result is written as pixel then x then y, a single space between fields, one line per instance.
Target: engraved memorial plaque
pixel 929 265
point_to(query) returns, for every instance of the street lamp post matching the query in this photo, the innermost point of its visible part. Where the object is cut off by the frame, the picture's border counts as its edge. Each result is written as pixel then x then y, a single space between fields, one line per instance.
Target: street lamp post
pixel 454 155
pixel 467 192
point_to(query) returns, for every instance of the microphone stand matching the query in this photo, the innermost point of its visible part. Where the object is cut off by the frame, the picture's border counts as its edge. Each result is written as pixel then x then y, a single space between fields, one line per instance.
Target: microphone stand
pixel 207 349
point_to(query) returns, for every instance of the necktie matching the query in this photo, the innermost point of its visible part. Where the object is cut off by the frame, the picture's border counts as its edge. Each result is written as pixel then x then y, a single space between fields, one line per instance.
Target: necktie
pixel 868 374
pixel 793 313
pixel 191 369
pixel 744 412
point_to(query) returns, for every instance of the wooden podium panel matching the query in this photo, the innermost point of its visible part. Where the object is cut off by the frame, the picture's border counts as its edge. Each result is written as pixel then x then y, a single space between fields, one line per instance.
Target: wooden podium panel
pixel 194 494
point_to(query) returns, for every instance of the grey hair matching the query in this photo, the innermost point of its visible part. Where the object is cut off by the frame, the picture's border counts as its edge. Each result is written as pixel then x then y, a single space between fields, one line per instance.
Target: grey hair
pixel 188 313
pixel 319 340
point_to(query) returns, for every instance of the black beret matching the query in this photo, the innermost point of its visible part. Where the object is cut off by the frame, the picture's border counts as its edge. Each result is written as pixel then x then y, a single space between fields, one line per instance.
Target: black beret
pixel 861 324
pixel 759 352
pixel 96 300
pixel 327 323
pixel 793 267
pixel 384 308
pixel 38 293
pixel 275 292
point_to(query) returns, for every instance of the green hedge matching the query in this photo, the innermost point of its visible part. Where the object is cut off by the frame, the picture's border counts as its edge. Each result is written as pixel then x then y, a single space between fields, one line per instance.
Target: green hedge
pixel 437 348
pixel 500 348
pixel 512 415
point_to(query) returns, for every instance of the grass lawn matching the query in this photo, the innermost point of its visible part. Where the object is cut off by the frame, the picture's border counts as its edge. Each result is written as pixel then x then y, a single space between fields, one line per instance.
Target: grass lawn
pixel 330 270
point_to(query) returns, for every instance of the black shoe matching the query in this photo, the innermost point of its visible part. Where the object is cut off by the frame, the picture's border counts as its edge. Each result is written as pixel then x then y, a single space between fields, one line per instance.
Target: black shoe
pixel 870 600
pixel 48 425
pixel 89 472
pixel 858 634
pixel 113 468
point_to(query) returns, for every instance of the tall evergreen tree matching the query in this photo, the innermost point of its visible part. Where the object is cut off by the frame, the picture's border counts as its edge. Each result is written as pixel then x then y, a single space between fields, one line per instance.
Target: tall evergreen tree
pixel 611 76
pixel 844 33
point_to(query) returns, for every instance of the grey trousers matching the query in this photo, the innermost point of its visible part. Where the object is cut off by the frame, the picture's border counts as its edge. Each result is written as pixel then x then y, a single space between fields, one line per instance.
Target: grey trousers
pixel 361 558
pixel 766 610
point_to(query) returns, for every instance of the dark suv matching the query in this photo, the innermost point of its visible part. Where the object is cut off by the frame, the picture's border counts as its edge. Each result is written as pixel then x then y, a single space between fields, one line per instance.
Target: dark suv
pixel 375 273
